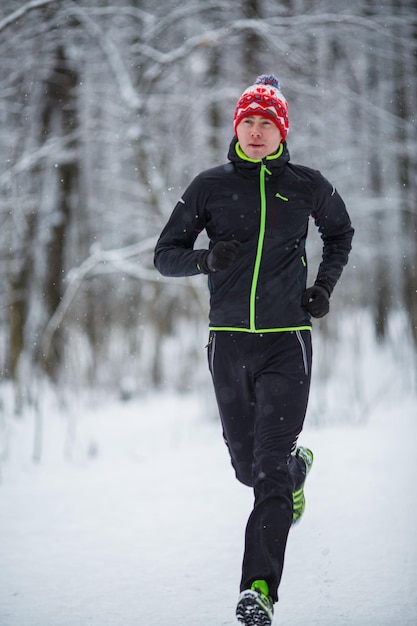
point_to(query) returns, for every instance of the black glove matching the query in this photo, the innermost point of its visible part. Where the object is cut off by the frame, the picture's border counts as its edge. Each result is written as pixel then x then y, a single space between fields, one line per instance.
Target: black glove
pixel 316 301
pixel 220 257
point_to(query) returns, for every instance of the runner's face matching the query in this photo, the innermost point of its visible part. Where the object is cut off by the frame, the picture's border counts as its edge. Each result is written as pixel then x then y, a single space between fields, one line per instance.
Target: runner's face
pixel 258 136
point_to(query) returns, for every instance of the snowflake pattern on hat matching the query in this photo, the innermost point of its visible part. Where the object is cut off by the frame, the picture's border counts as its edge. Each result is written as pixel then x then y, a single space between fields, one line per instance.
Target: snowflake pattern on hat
pixel 264 98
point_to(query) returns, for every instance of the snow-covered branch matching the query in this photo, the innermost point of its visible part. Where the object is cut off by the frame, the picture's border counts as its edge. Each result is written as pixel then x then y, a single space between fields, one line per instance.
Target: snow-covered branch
pixel 99 262
pixel 113 56
pixel 23 10
pixel 54 147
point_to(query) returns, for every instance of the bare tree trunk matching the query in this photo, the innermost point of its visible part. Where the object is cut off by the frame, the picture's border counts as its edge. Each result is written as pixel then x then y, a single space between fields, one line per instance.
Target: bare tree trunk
pixel 382 301
pixel 18 305
pixel 59 117
pixel 252 43
pixel 405 91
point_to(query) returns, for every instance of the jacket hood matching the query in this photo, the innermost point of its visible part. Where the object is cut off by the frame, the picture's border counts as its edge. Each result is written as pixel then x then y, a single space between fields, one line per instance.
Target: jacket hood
pixel 247 166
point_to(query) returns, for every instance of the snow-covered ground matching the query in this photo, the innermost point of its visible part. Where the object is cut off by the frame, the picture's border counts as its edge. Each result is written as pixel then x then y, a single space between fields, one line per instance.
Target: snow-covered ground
pixel 144 526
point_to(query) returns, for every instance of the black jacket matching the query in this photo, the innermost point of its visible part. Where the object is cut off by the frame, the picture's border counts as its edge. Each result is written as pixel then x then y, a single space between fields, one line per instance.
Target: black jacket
pixel 266 206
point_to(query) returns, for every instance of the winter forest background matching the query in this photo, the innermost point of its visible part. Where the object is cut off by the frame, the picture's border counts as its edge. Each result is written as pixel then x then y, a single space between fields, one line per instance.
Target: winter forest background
pixel 108 110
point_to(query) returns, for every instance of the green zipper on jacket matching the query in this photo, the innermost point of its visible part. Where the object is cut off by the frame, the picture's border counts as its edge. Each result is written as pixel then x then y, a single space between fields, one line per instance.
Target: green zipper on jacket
pixel 261 237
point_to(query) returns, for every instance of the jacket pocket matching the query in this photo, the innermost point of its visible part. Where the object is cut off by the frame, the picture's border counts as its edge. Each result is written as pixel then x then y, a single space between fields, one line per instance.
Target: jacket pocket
pixel 211 349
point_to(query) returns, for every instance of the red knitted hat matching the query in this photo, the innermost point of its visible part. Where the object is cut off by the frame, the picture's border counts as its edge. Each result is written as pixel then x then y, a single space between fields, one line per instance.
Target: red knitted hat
pixel 264 98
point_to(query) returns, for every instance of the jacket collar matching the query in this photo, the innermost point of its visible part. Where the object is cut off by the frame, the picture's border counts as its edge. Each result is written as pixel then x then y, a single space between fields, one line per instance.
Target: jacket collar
pixel 243 164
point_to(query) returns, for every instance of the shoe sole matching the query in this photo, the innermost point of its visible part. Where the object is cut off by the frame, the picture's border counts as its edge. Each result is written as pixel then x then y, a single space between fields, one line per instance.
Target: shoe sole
pixel 250 613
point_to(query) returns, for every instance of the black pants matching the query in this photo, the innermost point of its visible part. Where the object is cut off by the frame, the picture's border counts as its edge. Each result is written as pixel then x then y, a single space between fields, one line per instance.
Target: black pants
pixel 262 384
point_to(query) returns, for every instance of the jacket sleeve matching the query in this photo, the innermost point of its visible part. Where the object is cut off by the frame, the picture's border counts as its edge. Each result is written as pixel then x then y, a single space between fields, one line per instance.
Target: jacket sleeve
pixel 336 231
pixel 174 251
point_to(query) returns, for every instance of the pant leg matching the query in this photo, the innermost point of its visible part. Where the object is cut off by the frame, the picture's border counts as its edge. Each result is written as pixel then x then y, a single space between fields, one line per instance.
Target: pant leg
pixel 281 390
pixel 262 385
pixel 229 356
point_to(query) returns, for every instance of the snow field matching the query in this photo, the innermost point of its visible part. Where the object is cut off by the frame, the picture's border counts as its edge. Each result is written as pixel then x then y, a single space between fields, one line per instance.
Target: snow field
pixel 145 525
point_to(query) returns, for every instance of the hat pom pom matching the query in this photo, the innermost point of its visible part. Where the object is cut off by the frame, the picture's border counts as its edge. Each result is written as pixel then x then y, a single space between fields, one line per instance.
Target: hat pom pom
pixel 268 79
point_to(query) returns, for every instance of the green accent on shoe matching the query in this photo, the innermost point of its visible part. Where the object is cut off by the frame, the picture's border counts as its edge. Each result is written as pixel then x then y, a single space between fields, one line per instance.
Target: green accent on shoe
pixel 255 606
pixel 261 586
pixel 298 498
